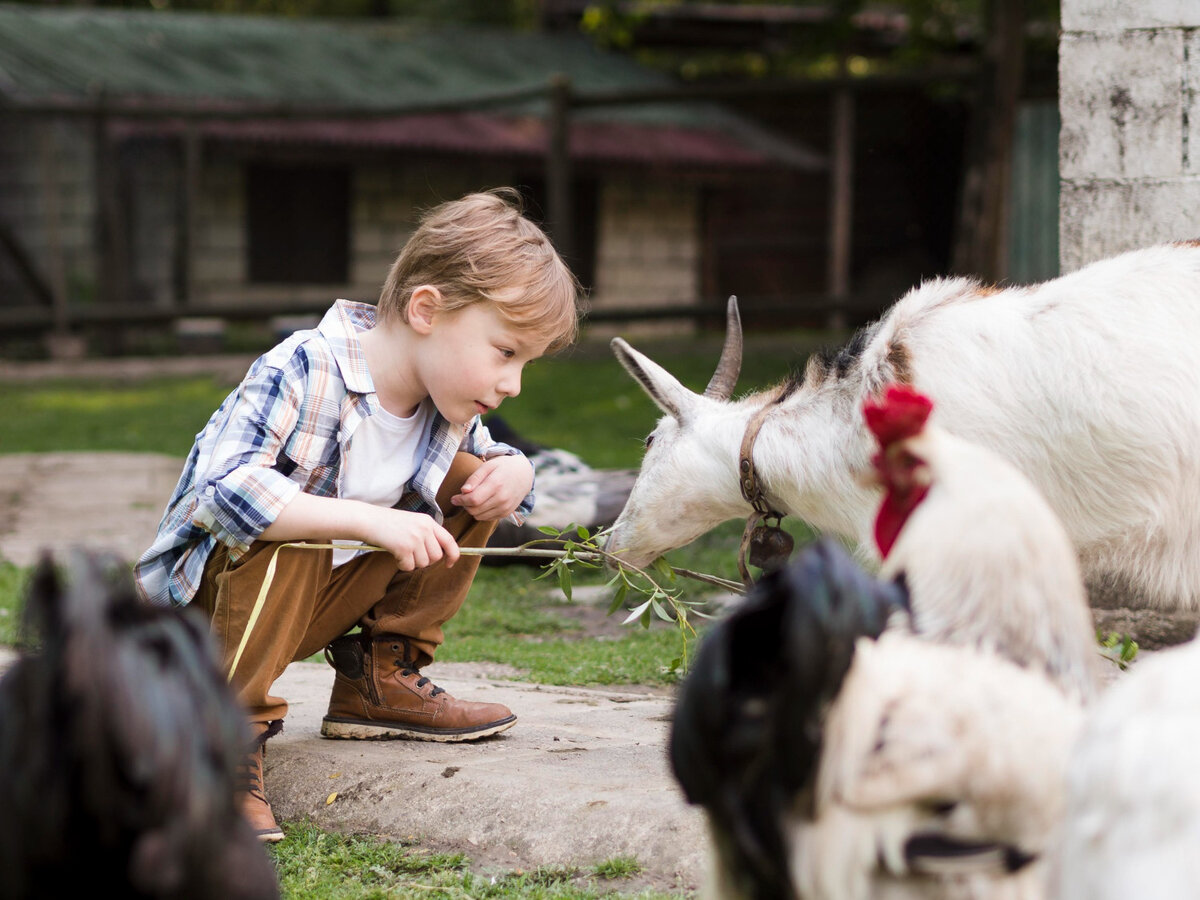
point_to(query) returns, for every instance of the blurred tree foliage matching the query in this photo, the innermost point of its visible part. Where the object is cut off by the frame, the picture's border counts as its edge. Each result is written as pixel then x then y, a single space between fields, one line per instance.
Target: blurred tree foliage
pixel 873 35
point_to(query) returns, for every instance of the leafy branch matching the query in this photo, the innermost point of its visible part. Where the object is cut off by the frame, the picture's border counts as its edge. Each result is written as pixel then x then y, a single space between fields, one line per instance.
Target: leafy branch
pixel 1119 649
pixel 656 586
pixel 571 547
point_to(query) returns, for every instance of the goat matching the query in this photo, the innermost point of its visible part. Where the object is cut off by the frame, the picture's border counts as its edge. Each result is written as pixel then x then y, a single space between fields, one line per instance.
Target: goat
pixel 1088 384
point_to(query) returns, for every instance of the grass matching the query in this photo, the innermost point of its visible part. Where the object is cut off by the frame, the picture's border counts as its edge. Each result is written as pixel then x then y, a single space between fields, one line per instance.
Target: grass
pixel 580 400
pixel 617 867
pixel 316 865
pixel 12 588
pixel 159 417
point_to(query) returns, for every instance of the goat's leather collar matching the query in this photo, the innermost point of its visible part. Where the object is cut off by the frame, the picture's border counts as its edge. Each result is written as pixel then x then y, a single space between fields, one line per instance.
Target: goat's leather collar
pixel 752 491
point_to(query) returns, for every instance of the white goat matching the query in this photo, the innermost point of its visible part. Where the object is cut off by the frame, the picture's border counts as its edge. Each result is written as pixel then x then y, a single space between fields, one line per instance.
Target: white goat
pixel 1089 384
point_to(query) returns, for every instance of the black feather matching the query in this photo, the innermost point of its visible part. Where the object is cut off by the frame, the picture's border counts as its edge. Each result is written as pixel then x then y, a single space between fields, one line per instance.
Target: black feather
pixel 119 742
pixel 942 855
pixel 747 728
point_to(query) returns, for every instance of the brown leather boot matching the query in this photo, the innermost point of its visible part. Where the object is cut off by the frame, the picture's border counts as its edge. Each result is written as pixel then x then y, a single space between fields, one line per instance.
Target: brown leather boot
pixel 252 797
pixel 380 694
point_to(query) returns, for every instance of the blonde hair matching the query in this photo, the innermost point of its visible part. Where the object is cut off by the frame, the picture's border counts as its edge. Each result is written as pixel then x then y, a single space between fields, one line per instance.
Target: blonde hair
pixel 478 249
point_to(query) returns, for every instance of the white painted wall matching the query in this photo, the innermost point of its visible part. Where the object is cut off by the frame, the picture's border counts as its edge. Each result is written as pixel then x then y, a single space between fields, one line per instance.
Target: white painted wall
pixel 1129 149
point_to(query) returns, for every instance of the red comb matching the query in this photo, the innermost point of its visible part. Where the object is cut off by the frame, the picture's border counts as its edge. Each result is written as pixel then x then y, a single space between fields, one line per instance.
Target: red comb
pixel 901 414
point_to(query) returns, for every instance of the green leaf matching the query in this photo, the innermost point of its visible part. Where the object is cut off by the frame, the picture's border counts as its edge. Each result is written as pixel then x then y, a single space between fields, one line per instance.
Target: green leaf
pixel 564 581
pixel 619 599
pixel 659 611
pixel 549 529
pixel 644 608
pixel 582 532
pixel 663 568
pixel 645 620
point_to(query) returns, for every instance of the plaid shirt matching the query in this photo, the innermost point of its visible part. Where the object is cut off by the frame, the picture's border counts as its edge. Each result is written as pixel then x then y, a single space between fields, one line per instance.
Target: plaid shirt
pixel 284 430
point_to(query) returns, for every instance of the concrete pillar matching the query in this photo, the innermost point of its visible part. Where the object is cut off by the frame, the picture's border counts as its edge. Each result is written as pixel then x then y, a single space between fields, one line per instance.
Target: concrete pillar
pixel 1129 148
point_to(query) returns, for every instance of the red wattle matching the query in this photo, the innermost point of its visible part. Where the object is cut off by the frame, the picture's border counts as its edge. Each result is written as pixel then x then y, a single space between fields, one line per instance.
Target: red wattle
pixel 893 513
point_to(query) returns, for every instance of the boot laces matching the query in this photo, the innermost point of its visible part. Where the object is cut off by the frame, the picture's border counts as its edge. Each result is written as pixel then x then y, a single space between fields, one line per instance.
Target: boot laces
pixel 250 774
pixel 249 770
pixel 408 666
pixel 422 681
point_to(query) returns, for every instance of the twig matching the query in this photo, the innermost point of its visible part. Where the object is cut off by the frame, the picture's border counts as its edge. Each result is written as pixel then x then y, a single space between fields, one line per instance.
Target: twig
pixel 570 553
pixel 735 586
pixel 516 551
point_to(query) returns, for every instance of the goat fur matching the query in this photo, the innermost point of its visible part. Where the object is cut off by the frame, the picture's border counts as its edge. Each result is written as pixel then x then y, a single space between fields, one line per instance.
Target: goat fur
pixel 1089 384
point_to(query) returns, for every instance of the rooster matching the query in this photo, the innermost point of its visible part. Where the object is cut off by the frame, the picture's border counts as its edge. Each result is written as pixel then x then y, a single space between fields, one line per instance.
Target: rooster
pixel 119 744
pixel 839 756
pixel 986 561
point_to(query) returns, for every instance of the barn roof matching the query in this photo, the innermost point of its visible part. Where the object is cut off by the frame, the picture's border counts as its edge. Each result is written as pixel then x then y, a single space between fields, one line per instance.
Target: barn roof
pixel 474 89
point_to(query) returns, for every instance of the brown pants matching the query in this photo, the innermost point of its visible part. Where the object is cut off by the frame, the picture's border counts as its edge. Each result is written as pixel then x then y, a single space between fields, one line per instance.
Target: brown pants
pixel 310 602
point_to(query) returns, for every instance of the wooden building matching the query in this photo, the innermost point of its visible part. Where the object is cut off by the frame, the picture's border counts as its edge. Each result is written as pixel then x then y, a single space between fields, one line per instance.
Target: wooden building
pixel 158 166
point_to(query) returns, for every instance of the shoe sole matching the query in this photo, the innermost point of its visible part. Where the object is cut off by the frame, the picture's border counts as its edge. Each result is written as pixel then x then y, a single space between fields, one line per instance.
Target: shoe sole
pixel 365 730
pixel 269 837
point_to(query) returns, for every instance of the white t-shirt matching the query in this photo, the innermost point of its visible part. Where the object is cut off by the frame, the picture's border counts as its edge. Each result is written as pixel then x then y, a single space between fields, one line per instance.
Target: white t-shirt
pixel 383 454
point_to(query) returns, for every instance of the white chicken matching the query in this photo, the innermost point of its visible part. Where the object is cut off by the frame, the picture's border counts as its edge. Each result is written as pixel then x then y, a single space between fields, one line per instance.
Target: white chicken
pixel 1132 825
pixel 944 777
pixel 986 561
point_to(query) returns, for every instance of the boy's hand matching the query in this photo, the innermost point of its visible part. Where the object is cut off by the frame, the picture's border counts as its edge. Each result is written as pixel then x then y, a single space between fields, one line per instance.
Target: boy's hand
pixel 496 488
pixel 414 539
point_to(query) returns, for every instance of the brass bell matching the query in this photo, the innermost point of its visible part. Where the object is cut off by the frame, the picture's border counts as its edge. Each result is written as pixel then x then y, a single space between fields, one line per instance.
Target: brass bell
pixel 770 547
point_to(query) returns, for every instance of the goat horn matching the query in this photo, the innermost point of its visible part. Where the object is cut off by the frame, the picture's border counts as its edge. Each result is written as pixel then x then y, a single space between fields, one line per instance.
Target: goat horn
pixel 730 365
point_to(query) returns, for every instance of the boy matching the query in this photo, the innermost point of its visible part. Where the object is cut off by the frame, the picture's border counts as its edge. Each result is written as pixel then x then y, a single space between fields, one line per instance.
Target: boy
pixel 367 429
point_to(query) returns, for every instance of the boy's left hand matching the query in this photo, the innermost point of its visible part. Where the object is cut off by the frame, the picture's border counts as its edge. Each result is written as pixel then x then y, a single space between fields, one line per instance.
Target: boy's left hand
pixel 496 488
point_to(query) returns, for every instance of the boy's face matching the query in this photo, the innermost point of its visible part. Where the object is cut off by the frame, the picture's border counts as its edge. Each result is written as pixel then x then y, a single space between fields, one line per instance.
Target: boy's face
pixel 472 359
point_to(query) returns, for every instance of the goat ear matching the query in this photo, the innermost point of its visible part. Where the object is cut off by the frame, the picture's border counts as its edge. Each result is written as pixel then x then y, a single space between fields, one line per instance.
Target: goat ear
pixel 664 389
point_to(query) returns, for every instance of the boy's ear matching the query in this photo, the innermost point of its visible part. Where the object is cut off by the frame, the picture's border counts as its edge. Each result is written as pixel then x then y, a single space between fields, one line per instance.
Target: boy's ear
pixel 423 305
